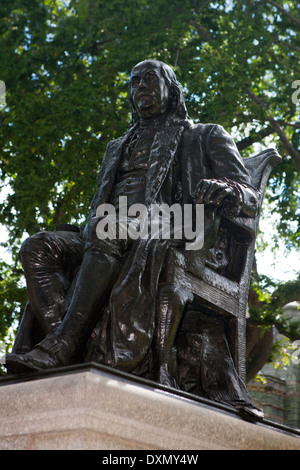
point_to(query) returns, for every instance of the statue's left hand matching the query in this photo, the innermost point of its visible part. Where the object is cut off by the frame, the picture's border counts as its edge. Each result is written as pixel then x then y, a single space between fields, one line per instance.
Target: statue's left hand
pixel 211 191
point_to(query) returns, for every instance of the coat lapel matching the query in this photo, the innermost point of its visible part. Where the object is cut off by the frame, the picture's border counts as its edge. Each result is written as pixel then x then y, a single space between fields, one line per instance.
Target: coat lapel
pixel 163 151
pixel 107 174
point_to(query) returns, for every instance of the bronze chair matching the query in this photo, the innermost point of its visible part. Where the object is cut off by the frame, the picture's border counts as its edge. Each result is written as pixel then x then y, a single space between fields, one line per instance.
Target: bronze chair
pixel 222 288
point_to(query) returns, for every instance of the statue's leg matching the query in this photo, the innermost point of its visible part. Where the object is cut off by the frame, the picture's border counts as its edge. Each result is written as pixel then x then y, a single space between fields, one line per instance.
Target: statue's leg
pixel 97 275
pixel 25 337
pixel 47 259
pixel 98 272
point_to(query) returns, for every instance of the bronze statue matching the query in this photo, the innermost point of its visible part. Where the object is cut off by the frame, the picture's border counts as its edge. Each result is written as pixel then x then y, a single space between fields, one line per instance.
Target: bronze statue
pixel 111 300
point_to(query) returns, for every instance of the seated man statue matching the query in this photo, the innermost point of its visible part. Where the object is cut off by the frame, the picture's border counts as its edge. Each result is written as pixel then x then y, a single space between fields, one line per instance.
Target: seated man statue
pixel 163 158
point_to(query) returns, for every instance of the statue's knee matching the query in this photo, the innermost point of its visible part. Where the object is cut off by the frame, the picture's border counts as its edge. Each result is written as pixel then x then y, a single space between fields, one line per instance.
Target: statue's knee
pixel 38 241
pixel 176 295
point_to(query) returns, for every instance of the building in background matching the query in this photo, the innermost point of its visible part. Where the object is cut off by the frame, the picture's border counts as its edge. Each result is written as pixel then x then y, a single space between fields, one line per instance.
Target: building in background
pixel 279 391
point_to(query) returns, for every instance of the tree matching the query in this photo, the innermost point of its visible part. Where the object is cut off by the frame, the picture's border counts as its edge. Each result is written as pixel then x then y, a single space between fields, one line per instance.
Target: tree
pixel 66 63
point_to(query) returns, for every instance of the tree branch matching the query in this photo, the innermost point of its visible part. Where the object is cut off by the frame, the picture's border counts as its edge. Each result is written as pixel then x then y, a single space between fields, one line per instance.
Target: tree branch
pixel 289 124
pixel 285 12
pixel 290 46
pixel 202 31
pixel 254 137
pixel 277 127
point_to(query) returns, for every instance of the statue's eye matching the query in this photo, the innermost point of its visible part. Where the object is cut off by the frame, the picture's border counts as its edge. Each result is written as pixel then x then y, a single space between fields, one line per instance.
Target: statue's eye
pixel 135 81
pixel 147 79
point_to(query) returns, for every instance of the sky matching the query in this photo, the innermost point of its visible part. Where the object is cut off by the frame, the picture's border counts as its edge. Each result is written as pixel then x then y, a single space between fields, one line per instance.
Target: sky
pixel 278 263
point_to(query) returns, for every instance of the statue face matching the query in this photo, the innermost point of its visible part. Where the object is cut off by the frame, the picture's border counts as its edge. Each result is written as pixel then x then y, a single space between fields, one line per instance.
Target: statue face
pixel 149 90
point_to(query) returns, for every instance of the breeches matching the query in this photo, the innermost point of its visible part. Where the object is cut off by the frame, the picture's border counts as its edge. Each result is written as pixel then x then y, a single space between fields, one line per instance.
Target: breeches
pixel 63 251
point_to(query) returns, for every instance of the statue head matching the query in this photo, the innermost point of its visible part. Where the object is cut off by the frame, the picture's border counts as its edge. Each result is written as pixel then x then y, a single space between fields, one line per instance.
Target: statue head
pixel 154 91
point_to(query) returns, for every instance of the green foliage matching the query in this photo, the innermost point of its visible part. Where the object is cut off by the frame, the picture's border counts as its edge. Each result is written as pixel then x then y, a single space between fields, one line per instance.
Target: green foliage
pixel 66 65
pixel 12 298
pixel 270 298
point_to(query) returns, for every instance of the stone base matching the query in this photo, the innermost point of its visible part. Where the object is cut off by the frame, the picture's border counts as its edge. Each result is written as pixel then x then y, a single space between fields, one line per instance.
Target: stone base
pixel 91 407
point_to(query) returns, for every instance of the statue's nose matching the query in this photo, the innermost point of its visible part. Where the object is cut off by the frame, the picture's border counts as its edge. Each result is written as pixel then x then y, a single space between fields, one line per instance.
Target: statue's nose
pixel 143 83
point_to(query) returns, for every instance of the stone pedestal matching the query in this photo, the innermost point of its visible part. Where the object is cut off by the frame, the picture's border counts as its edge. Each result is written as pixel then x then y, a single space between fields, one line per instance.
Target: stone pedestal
pixel 92 408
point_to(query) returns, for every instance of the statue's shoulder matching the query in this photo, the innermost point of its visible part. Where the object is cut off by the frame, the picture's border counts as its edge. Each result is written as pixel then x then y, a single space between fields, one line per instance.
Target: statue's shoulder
pixel 118 140
pixel 200 131
pixel 115 145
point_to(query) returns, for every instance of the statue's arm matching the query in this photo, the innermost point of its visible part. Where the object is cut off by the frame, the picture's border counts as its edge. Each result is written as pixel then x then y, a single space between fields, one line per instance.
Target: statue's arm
pixel 231 186
pixel 100 182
